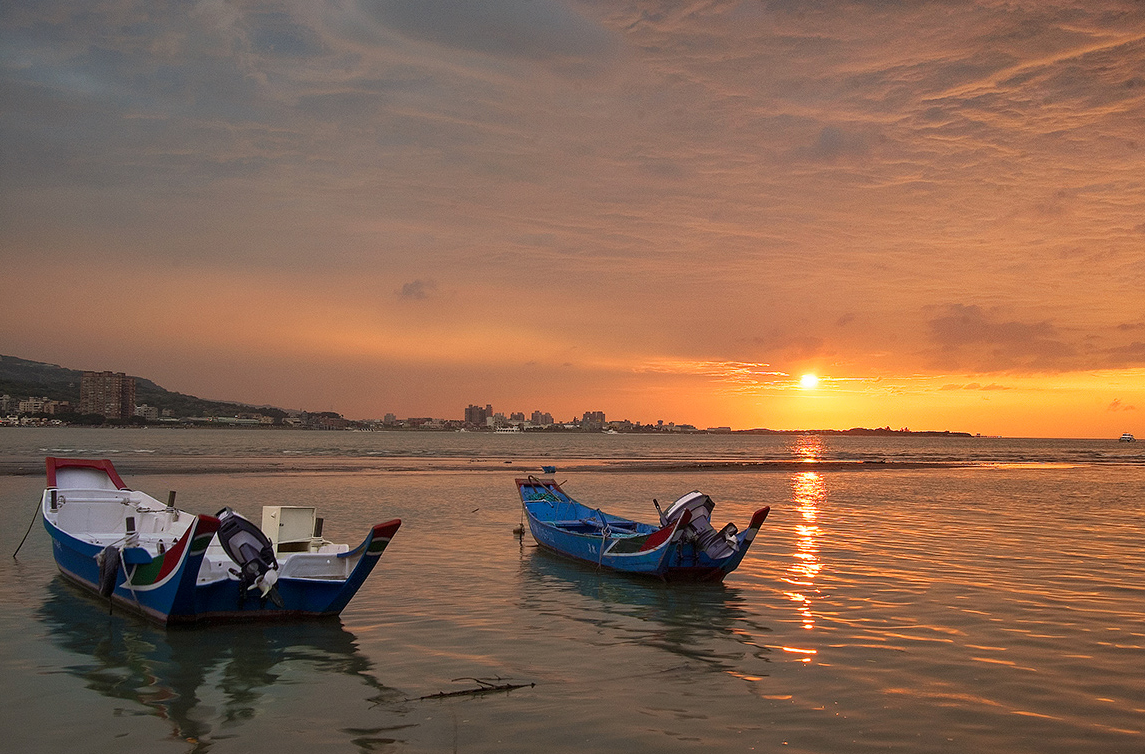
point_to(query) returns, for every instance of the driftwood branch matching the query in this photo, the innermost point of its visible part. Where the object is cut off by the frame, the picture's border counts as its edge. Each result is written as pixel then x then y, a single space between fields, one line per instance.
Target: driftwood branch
pixel 485 686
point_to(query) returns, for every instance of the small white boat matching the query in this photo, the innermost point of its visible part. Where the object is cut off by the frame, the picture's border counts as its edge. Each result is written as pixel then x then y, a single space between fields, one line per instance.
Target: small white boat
pixel 177 567
pixel 1127 438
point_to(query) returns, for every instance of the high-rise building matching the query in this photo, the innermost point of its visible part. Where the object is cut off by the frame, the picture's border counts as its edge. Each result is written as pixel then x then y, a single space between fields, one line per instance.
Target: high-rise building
pixel 477 415
pixel 111 394
pixel 592 420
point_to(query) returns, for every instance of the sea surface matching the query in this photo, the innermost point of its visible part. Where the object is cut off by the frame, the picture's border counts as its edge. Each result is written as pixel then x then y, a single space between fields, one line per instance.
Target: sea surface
pixel 906 594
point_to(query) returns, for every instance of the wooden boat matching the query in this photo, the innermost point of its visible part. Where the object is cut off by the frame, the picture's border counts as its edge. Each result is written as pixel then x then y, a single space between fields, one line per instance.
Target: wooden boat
pixel 176 567
pixel 684 546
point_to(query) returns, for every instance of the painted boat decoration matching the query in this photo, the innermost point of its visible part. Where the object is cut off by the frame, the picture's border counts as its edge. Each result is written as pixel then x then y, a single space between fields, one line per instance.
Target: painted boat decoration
pixel 175 567
pixel 683 547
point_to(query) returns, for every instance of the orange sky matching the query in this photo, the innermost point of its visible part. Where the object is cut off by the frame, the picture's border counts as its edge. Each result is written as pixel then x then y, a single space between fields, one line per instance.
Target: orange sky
pixel 658 210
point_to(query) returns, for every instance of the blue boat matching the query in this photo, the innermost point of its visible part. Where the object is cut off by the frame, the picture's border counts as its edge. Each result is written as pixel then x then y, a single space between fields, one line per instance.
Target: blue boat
pixel 174 567
pixel 683 547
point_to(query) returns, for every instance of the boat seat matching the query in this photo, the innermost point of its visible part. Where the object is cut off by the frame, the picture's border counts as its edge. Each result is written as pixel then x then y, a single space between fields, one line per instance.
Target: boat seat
pixel 577 523
pixel 593 525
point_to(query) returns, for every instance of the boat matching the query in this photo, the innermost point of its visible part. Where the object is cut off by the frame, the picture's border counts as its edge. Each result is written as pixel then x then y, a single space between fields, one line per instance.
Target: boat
pixel 175 567
pixel 1127 438
pixel 684 546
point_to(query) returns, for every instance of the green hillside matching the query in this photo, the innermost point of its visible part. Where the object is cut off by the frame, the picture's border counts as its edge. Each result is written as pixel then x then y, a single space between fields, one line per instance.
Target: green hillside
pixel 21 378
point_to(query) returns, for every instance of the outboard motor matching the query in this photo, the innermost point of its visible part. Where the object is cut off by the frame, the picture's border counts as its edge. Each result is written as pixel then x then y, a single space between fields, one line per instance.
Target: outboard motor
pixel 717 544
pixel 253 552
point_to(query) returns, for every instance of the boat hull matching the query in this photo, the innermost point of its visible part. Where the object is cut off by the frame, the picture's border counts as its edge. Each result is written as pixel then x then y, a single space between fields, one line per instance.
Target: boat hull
pixel 160 589
pixel 588 549
pixel 182 599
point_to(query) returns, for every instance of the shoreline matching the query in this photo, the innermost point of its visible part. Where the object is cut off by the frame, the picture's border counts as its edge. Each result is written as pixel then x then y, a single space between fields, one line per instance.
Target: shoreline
pixel 149 466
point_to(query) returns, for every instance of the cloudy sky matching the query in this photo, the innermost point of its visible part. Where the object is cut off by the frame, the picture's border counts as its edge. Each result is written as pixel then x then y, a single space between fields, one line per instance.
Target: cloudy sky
pixel 660 210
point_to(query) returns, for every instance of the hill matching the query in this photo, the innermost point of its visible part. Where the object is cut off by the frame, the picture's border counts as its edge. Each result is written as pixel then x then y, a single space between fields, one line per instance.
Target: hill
pixel 21 378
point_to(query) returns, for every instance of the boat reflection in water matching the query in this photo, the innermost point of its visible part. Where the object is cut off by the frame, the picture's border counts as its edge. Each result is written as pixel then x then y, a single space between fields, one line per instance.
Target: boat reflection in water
pixel 171 673
pixel 703 621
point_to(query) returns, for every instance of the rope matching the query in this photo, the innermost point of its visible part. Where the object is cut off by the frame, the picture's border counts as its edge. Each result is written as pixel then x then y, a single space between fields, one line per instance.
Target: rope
pixel 129 585
pixel 30 525
pixel 544 496
pixel 604 532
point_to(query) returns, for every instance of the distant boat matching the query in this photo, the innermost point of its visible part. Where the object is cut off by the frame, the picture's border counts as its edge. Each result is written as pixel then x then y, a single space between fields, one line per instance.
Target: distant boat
pixel 172 566
pixel 682 547
pixel 507 430
pixel 1127 438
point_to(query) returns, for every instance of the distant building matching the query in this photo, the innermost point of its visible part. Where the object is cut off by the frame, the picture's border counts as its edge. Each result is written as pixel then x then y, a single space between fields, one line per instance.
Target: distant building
pixel 111 394
pixel 150 413
pixel 541 419
pixel 389 420
pixel 32 405
pixel 592 420
pixel 478 415
pixel 57 407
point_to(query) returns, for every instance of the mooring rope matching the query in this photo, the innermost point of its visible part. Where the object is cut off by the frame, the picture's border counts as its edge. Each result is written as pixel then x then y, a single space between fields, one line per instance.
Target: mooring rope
pixel 30 525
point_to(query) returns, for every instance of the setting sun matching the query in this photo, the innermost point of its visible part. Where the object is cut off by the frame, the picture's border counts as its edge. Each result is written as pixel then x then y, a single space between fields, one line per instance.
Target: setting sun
pixel 808 381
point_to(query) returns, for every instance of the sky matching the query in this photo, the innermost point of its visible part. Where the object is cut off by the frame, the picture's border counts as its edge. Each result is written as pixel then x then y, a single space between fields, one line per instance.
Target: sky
pixel 660 210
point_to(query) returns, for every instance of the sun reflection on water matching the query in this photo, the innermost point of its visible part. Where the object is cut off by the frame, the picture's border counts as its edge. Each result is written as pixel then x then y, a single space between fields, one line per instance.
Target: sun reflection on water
pixel 809 493
pixel 808 448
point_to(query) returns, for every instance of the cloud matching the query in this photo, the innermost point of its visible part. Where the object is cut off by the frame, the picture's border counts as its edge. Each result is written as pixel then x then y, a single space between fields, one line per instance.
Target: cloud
pixel 1131 354
pixel 529 29
pixel 1116 405
pixel 417 290
pixel 976 386
pixel 982 340
pixel 834 143
pixel 276 33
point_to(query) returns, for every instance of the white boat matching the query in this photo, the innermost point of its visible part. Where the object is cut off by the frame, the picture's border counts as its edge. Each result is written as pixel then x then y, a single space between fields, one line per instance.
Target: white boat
pixel 177 567
pixel 1127 438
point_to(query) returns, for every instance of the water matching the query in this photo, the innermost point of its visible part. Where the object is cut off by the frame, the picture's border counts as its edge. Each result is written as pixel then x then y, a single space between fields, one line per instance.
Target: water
pixel 990 599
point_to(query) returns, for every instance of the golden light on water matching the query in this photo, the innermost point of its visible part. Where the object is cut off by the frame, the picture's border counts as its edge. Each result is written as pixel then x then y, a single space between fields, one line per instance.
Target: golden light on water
pixel 808 448
pixel 809 493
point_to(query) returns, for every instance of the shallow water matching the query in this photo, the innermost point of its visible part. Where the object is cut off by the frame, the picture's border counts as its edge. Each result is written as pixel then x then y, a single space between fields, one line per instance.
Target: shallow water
pixel 995 607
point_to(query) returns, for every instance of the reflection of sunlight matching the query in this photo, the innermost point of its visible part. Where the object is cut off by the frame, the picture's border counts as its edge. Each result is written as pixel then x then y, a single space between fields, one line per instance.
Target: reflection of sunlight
pixel 808 448
pixel 809 492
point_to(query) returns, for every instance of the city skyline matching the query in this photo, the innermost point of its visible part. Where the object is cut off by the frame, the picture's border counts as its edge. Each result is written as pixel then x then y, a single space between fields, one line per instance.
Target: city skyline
pixel 748 214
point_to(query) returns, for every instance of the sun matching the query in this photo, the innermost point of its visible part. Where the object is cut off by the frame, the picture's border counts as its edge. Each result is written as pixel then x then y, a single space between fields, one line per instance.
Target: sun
pixel 808 381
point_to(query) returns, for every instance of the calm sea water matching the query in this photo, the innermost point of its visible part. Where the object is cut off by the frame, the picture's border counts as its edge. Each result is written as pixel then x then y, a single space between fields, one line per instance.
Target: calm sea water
pixel 991 600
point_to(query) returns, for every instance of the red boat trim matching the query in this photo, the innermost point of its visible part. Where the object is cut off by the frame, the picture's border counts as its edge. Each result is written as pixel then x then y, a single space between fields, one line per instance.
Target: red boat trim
pixel 377 541
pixel 760 515
pixel 103 465
pixel 661 535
